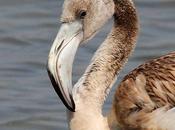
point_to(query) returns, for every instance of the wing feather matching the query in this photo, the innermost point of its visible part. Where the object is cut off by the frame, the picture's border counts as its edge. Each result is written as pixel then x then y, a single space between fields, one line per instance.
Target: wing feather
pixel 145 93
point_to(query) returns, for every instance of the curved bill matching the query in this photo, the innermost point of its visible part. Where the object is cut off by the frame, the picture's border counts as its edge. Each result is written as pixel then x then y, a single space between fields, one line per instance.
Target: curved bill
pixel 61 58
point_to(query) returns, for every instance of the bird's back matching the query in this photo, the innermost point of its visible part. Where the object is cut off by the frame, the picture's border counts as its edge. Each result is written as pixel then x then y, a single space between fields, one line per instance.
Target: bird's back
pixel 145 98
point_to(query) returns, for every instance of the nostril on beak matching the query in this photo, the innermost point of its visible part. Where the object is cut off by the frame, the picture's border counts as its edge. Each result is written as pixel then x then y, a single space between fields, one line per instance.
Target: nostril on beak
pixel 58 48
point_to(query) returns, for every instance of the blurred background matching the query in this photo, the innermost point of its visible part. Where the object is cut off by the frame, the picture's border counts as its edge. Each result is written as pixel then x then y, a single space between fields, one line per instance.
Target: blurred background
pixel 27 30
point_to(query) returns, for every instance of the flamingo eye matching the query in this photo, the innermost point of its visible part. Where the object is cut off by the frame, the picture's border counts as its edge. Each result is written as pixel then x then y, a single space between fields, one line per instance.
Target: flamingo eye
pixel 82 14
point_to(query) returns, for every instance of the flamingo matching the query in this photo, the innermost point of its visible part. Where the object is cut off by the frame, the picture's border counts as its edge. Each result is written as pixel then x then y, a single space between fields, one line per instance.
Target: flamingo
pixel 144 100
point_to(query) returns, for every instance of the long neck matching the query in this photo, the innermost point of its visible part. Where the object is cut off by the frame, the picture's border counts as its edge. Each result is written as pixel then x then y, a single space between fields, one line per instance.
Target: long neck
pixel 112 54
pixel 104 68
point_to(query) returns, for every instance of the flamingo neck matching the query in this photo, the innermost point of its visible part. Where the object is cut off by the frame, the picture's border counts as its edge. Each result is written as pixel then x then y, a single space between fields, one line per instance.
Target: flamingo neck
pixel 104 68
pixel 110 57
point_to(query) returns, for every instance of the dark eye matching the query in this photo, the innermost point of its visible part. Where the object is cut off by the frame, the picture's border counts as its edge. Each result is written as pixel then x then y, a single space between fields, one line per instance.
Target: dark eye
pixel 82 14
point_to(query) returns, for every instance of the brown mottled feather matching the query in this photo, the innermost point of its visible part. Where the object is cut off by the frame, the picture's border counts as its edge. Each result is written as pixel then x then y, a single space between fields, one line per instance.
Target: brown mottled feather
pixel 145 90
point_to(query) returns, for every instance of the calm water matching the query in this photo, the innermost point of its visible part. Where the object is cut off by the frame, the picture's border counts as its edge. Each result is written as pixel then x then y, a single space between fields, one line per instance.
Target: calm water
pixel 27 30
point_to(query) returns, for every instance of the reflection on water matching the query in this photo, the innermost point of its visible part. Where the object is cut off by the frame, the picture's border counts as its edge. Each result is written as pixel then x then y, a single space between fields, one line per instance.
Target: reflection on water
pixel 27 30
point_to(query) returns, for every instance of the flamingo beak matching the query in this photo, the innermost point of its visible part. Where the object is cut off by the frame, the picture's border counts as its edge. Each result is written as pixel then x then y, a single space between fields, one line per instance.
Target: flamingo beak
pixel 60 61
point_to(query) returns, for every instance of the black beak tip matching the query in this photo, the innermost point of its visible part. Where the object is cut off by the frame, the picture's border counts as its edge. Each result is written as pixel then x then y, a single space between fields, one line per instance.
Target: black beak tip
pixel 59 93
